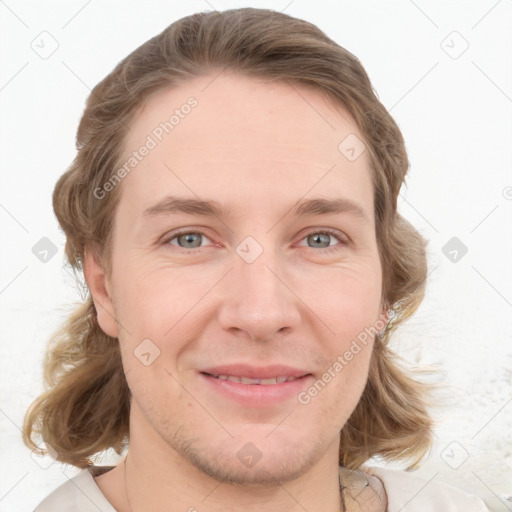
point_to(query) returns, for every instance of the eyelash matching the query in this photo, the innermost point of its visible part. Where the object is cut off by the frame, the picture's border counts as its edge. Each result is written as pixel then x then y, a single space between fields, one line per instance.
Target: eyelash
pixel 335 234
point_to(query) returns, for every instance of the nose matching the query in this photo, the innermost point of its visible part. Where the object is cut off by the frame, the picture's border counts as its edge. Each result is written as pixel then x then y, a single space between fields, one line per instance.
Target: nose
pixel 257 299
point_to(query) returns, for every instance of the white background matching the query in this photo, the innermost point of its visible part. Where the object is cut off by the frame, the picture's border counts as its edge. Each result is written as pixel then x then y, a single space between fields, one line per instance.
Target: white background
pixel 455 114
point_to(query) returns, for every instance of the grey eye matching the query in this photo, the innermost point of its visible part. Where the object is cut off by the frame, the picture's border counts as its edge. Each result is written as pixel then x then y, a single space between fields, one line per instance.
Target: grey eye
pixel 190 240
pixel 318 239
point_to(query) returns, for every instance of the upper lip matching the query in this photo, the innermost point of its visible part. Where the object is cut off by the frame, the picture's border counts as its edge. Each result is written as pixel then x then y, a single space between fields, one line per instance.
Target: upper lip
pixel 254 372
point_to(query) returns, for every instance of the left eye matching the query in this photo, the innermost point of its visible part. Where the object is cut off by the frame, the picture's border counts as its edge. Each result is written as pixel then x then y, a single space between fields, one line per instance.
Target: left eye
pixel 323 237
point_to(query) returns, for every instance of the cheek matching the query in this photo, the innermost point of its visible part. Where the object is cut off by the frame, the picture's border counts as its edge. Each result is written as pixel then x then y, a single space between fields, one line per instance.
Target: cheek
pixel 149 300
pixel 336 392
pixel 161 312
pixel 349 305
pixel 346 299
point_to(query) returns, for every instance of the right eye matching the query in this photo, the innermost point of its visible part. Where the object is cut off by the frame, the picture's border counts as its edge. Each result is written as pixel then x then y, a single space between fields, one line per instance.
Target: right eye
pixel 187 240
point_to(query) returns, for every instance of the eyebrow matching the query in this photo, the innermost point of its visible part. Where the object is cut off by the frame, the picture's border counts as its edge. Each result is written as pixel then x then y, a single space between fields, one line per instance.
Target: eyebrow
pixel 317 206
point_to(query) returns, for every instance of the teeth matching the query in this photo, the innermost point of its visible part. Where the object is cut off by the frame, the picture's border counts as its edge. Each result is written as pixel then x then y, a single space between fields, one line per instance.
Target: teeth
pixel 248 380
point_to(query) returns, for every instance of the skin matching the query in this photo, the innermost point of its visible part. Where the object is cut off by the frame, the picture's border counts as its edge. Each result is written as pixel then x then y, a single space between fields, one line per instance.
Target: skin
pixel 256 148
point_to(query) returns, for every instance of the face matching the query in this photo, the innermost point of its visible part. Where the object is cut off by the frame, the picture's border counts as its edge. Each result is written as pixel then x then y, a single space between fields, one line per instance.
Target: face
pixel 261 283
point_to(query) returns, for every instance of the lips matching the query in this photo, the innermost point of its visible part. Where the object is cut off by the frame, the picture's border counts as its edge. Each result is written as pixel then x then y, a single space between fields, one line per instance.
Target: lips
pixel 248 380
pixel 252 394
pixel 253 386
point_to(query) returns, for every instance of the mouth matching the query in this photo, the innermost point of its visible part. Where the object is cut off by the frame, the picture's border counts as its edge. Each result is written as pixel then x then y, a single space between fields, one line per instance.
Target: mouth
pixel 255 391
pixel 254 381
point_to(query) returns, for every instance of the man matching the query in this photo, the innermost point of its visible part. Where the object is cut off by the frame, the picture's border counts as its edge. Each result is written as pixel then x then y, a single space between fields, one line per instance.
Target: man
pixel 233 206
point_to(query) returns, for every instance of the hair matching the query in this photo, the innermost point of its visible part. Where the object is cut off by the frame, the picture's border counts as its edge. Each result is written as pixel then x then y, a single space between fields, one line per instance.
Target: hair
pixel 85 407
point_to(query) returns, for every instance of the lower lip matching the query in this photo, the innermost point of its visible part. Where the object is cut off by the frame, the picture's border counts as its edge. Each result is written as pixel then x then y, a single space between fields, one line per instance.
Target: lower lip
pixel 257 395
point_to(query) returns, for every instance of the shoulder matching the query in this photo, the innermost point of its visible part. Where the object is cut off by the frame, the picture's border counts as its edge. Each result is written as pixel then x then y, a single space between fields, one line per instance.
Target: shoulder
pixel 80 494
pixel 410 493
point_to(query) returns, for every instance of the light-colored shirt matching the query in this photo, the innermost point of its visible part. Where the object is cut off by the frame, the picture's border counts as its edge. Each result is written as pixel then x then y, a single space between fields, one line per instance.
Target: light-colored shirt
pixel 405 491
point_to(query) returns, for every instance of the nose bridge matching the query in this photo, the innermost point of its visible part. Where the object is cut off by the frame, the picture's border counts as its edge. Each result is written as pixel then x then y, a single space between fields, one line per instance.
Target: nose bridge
pixel 256 299
pixel 259 279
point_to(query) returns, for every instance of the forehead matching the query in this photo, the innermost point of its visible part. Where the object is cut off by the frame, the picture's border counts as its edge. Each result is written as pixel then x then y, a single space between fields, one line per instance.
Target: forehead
pixel 230 134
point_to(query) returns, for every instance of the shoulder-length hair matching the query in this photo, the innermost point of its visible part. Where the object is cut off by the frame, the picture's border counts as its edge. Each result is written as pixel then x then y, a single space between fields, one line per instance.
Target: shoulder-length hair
pixel 85 408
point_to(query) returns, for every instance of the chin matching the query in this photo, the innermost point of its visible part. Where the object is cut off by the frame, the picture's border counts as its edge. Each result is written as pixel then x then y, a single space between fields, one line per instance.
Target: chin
pixel 261 460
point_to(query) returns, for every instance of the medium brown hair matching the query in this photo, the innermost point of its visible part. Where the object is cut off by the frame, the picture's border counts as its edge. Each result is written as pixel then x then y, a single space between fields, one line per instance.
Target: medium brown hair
pixel 85 408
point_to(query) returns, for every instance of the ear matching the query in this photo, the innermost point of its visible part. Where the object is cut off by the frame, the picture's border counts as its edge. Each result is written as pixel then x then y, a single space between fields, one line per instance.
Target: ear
pixel 99 286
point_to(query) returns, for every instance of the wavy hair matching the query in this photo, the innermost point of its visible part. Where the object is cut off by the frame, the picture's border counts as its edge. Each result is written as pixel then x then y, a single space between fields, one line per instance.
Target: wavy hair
pixel 84 409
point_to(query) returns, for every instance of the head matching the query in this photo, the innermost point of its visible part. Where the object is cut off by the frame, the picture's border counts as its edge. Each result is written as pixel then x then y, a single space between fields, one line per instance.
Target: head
pixel 242 120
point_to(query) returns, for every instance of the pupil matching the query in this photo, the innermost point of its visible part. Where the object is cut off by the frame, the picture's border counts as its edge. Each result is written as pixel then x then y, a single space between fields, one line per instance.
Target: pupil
pixel 318 238
pixel 190 237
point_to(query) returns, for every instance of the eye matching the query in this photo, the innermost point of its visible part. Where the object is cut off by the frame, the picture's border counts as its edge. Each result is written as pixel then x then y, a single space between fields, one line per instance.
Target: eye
pixel 187 239
pixel 321 240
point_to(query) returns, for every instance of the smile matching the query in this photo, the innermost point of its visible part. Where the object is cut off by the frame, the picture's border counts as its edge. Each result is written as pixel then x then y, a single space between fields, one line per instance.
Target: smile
pixel 249 380
pixel 255 392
